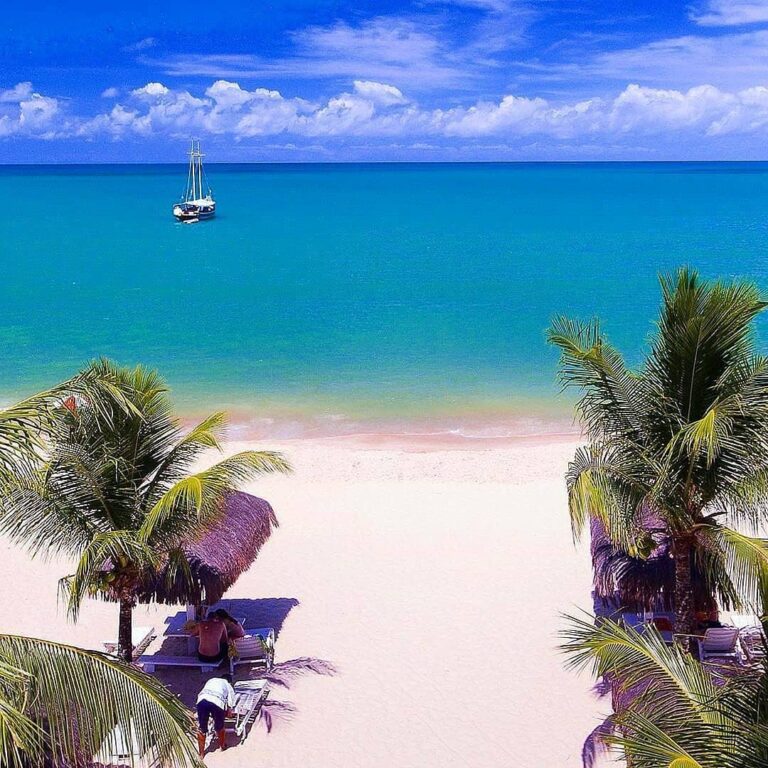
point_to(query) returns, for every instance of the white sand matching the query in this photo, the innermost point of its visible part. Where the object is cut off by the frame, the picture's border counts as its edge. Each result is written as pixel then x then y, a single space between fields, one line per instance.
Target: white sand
pixel 431 578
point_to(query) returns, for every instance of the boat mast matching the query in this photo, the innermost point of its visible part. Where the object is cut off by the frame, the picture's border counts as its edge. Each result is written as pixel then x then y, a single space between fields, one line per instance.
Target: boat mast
pixel 200 169
pixel 192 168
pixel 199 172
pixel 189 181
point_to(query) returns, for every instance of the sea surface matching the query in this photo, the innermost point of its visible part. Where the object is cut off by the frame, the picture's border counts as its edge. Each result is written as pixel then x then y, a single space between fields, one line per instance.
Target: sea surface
pixel 338 299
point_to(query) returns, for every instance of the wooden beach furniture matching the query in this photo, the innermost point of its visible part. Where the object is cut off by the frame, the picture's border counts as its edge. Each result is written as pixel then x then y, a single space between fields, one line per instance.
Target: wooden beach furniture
pixel 141 637
pixel 257 648
pixel 719 642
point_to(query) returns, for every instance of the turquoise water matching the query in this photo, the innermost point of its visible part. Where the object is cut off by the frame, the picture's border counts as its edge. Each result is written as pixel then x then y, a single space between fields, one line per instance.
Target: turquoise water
pixel 348 297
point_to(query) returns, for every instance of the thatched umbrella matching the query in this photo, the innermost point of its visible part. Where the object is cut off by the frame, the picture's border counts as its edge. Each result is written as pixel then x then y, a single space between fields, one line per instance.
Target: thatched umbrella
pixel 643 582
pixel 218 558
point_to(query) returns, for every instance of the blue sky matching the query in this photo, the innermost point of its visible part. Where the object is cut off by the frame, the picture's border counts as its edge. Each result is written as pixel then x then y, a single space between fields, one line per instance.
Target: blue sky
pixel 421 80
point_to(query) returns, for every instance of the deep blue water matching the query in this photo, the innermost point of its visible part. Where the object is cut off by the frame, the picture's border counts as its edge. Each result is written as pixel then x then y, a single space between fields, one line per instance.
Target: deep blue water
pixel 351 291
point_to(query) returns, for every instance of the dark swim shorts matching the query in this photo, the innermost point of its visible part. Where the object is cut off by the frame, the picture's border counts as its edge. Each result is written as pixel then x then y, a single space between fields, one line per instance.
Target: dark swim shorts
pixel 207 709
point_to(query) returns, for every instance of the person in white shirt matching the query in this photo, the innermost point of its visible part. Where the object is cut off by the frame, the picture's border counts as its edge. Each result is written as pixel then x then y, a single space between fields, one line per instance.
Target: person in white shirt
pixel 215 701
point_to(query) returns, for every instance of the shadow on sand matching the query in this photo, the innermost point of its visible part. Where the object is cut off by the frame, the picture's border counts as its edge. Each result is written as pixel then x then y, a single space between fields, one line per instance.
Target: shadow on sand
pixel 261 612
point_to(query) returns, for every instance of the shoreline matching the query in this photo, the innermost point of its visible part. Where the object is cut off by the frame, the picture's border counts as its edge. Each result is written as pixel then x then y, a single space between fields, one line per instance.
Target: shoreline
pixel 445 429
pixel 417 442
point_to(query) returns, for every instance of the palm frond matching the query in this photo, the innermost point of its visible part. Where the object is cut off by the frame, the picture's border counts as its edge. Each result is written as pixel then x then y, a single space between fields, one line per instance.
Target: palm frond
pixel 602 484
pixel 612 396
pixel 105 553
pixel 745 560
pixel 66 702
pixel 196 501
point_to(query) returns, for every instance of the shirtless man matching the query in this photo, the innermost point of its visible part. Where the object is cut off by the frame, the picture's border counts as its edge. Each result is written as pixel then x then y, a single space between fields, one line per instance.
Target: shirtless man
pixel 213 639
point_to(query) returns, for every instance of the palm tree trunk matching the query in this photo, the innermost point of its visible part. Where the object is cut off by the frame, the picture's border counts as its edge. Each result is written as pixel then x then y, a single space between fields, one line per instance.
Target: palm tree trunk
pixel 685 618
pixel 125 631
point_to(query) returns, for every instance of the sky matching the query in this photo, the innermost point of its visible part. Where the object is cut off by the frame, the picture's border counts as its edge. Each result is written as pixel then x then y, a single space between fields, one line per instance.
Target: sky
pixel 380 80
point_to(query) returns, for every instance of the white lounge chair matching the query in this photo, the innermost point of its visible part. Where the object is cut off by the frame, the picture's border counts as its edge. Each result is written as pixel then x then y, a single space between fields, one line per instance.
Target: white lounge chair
pixel 141 637
pixel 752 643
pixel 120 750
pixel 256 648
pixel 149 663
pixel 719 642
pixel 250 696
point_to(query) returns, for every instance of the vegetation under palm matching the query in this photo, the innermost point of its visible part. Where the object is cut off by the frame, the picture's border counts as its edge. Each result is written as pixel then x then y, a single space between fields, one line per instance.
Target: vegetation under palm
pixel 678 449
pixel 671 711
pixel 116 489
pixel 59 704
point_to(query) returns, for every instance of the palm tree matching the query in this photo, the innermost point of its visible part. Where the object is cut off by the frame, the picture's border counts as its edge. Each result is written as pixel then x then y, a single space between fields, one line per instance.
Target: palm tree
pixel 670 710
pixel 682 440
pixel 58 705
pixel 23 425
pixel 117 492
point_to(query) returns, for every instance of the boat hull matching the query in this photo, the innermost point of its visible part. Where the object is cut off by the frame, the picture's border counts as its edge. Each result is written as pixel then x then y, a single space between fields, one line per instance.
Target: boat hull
pixel 193 212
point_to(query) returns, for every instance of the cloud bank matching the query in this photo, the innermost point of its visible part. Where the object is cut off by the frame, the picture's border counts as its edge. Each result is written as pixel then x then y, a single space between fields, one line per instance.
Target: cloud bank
pixel 376 110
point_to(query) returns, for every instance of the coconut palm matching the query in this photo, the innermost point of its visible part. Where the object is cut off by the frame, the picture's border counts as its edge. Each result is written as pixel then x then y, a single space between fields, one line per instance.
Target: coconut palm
pixel 117 492
pixel 58 705
pixel 670 710
pixel 682 440
pixel 23 425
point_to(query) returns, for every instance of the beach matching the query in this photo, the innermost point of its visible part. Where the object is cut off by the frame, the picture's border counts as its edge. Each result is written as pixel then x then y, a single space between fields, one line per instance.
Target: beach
pixel 422 581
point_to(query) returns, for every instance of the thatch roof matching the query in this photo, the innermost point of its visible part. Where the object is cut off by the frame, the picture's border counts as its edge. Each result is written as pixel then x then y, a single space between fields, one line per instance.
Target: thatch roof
pixel 220 556
pixel 639 583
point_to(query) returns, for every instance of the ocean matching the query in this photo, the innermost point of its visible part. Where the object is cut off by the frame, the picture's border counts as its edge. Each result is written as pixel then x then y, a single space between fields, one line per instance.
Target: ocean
pixel 341 299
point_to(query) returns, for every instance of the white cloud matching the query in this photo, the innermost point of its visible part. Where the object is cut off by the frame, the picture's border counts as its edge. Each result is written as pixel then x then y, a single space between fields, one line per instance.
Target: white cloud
pixel 420 51
pixel 378 110
pixel 17 93
pixel 379 92
pixel 109 93
pixel 27 113
pixel 150 91
pixel 729 61
pixel 388 49
pixel 651 109
pixel 724 13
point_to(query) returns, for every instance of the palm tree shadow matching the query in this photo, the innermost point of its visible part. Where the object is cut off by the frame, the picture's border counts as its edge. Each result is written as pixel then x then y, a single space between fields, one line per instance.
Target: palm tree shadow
pixel 282 675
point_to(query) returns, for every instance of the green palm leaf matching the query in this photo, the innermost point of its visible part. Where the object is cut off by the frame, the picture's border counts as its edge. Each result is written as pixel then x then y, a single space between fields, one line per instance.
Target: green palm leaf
pixel 60 704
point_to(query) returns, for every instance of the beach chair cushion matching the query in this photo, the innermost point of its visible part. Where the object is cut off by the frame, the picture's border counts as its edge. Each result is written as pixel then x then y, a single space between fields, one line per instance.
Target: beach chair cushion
pixel 250 647
pixel 720 639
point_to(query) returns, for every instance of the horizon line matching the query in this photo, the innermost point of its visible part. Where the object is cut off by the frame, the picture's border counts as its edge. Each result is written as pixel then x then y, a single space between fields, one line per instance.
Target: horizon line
pixel 67 163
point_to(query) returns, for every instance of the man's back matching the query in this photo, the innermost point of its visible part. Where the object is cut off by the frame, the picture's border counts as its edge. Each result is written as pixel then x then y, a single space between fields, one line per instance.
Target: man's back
pixel 212 634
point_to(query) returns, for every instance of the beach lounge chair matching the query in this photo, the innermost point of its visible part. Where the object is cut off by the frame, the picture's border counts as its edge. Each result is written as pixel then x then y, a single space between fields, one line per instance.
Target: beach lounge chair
pixel 149 663
pixel 250 696
pixel 719 642
pixel 119 750
pixel 256 648
pixel 752 643
pixel 141 637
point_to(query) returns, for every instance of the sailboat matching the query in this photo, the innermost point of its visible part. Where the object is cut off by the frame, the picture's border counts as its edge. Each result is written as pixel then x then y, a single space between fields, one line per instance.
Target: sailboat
pixel 193 206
